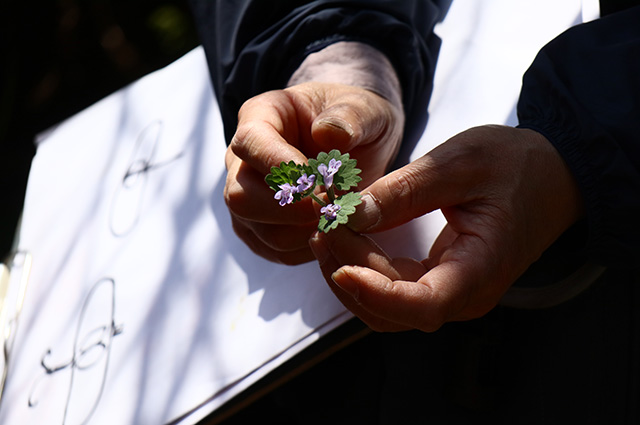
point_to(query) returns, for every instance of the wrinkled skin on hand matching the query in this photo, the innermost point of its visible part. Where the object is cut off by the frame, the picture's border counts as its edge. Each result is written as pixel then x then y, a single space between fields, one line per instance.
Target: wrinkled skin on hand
pixel 507 196
pixel 296 124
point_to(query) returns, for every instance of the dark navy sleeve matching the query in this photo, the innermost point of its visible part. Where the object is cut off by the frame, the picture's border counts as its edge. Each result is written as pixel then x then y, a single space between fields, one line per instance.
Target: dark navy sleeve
pixel 253 46
pixel 583 93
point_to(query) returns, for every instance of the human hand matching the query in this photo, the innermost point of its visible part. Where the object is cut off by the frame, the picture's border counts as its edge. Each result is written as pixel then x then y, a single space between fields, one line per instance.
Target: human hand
pixel 506 194
pixel 295 124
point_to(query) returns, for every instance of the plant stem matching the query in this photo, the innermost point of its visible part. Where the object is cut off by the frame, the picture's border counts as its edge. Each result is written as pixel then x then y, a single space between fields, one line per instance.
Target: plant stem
pixel 318 200
pixel 331 195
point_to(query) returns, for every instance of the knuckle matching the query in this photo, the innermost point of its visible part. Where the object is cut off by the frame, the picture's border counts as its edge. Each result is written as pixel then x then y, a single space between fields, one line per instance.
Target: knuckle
pixel 229 159
pixel 242 137
pixel 431 322
pixel 405 190
pixel 261 145
pixel 244 233
pixel 230 194
pixel 436 315
pixel 237 201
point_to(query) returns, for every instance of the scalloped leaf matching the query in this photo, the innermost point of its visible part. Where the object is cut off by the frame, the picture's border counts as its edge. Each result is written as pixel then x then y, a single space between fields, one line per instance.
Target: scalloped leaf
pixel 348 203
pixel 285 173
pixel 347 175
pixel 288 172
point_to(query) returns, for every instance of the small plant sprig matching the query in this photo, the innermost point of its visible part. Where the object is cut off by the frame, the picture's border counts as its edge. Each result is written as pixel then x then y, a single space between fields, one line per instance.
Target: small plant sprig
pixel 293 182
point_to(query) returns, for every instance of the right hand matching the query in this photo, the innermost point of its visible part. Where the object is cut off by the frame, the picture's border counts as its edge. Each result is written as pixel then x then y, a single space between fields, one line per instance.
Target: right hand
pixel 296 124
pixel 507 196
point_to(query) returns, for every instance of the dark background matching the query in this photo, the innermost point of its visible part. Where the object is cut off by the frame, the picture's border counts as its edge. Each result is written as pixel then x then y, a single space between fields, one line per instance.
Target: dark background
pixel 59 56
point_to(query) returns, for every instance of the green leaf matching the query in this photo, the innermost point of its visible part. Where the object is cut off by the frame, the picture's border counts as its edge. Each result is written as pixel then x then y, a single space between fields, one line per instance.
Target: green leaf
pixel 285 173
pixel 347 175
pixel 345 178
pixel 348 203
pixel 325 225
pixel 289 173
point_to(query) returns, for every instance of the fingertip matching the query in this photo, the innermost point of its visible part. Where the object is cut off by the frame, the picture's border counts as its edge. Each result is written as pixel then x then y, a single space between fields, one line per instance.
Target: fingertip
pixel 367 215
pixel 260 144
pixel 358 281
pixel 343 279
pixel 332 131
pixel 336 124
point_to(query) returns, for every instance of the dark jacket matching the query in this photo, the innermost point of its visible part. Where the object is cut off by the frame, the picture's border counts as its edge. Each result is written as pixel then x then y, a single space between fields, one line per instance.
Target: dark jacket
pixel 254 46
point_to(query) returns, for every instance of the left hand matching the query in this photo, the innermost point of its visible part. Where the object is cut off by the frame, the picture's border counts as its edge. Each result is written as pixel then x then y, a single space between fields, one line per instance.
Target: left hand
pixel 296 124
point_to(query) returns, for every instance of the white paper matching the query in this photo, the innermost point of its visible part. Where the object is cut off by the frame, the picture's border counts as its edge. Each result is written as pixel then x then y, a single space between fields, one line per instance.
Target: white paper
pixel 143 305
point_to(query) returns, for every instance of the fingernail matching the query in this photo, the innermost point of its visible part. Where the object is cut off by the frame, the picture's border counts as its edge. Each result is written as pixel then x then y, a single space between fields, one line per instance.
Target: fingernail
pixel 344 281
pixel 367 214
pixel 338 124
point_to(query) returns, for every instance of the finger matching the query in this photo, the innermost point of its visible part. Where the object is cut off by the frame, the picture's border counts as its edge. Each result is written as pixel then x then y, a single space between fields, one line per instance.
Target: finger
pixel 443 241
pixel 348 247
pixel 471 277
pixel 292 257
pixel 466 284
pixel 248 196
pixel 408 268
pixel 267 132
pixel 342 246
pixel 445 293
pixel 357 117
pixel 365 125
pixel 281 237
pixel 459 170
pixel 463 287
pixel 382 302
pixel 328 264
pixel 409 192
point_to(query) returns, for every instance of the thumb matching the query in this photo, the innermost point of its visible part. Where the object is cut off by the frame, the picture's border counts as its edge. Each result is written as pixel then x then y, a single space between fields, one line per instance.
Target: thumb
pixel 416 189
pixel 331 130
pixel 355 120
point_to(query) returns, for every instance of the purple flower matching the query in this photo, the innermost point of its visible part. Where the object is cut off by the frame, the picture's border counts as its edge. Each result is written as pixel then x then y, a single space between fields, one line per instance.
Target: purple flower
pixel 304 182
pixel 285 194
pixel 328 172
pixel 330 211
